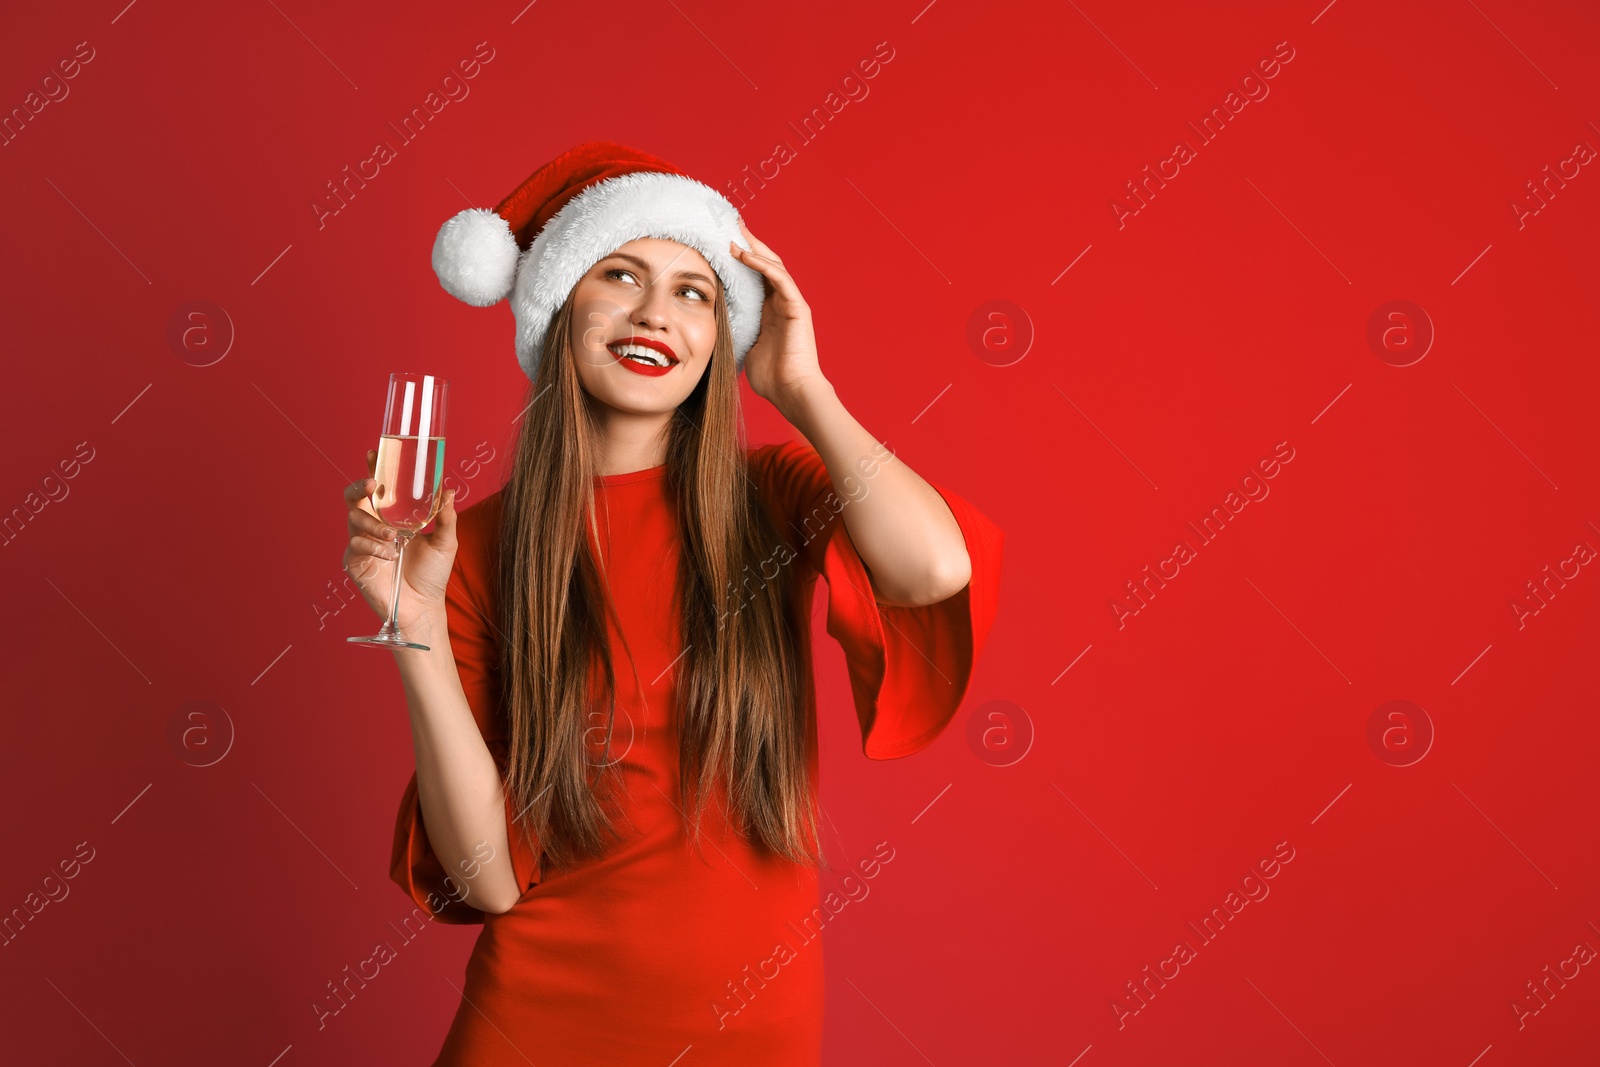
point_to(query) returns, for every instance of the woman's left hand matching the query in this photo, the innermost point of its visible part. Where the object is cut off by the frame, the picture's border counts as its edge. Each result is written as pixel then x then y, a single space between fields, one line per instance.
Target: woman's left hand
pixel 783 360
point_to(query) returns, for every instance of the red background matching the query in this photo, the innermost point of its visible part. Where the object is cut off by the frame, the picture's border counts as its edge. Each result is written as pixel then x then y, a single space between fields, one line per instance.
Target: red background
pixel 190 557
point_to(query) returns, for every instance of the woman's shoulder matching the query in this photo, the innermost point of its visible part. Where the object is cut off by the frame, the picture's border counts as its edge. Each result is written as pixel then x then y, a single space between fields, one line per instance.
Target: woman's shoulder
pixel 787 469
pixel 791 451
pixel 485 509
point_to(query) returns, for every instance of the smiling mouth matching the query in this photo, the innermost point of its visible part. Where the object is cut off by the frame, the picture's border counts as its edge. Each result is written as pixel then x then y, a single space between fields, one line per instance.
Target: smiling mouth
pixel 638 353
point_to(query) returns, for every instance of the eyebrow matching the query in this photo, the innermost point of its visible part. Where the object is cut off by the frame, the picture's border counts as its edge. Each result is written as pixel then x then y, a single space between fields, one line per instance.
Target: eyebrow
pixel 690 274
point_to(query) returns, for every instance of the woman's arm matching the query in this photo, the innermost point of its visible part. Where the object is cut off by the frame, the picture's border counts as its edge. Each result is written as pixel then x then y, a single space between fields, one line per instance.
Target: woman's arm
pixel 456 778
pixel 900 525
pixel 458 784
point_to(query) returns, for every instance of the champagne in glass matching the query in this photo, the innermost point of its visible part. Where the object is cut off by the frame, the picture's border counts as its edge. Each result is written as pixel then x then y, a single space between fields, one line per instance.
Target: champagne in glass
pixel 407 496
pixel 409 475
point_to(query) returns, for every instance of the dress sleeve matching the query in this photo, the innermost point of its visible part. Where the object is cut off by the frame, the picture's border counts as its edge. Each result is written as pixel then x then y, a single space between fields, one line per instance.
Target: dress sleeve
pixel 469 608
pixel 909 666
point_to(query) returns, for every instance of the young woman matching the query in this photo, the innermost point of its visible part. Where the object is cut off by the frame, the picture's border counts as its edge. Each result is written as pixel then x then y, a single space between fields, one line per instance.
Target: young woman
pixel 615 724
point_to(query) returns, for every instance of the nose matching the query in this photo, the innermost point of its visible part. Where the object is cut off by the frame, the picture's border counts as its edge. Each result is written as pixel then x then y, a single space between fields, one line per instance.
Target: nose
pixel 651 314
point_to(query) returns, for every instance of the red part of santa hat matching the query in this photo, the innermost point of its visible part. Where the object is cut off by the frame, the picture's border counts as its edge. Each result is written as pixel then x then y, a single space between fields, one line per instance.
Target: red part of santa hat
pixel 572 212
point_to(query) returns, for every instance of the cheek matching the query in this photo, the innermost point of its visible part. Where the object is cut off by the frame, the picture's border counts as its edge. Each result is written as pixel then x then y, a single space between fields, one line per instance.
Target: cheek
pixel 702 333
pixel 594 322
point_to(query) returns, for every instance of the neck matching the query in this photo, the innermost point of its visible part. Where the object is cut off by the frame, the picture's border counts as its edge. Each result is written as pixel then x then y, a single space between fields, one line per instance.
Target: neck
pixel 631 442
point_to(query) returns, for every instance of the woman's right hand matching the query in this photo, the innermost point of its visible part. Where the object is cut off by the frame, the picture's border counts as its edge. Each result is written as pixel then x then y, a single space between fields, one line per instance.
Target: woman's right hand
pixel 370 557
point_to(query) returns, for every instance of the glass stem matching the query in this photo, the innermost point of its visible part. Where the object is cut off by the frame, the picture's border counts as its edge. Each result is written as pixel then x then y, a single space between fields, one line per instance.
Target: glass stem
pixel 394 594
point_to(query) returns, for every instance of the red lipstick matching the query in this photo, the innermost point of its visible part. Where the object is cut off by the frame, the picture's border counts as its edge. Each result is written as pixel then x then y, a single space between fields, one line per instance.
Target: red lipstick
pixel 636 361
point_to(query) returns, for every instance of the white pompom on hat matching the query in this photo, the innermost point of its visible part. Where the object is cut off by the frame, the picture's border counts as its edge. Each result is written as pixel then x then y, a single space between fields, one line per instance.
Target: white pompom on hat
pixel 571 213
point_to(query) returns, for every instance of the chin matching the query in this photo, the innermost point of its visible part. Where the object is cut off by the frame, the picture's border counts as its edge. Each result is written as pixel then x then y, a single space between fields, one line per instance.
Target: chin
pixel 639 399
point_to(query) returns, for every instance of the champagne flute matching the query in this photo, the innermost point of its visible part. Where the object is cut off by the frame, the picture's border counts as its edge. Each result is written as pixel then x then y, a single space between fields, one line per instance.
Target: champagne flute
pixel 409 475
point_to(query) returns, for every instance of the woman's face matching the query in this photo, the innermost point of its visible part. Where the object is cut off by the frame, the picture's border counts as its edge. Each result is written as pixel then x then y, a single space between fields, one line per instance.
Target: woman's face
pixel 654 299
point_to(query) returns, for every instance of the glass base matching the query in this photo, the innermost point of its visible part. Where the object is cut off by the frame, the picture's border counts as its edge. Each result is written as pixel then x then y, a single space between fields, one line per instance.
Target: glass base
pixel 386 638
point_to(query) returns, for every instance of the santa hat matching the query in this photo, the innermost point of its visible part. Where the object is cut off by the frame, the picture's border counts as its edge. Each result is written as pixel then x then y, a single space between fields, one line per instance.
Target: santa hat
pixel 576 210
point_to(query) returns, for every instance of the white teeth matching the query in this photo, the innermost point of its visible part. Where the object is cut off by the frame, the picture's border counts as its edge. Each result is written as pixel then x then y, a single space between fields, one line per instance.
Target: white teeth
pixel 641 354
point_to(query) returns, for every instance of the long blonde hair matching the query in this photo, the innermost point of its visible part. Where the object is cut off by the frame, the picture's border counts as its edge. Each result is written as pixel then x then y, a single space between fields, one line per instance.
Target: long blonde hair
pixel 741 720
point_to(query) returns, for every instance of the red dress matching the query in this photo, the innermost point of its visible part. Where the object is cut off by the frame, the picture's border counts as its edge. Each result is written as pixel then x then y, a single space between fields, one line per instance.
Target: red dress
pixel 651 951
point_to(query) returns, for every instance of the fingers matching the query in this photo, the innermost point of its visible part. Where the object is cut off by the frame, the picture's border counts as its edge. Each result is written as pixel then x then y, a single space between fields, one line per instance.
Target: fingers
pixel 356 492
pixel 445 522
pixel 759 245
pixel 362 568
pixel 369 525
pixel 367 560
pixel 750 257
pixel 779 278
pixel 361 545
pixel 363 520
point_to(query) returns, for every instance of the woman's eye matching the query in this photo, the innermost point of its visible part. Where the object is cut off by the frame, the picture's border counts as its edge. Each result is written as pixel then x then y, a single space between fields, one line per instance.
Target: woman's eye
pixel 619 271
